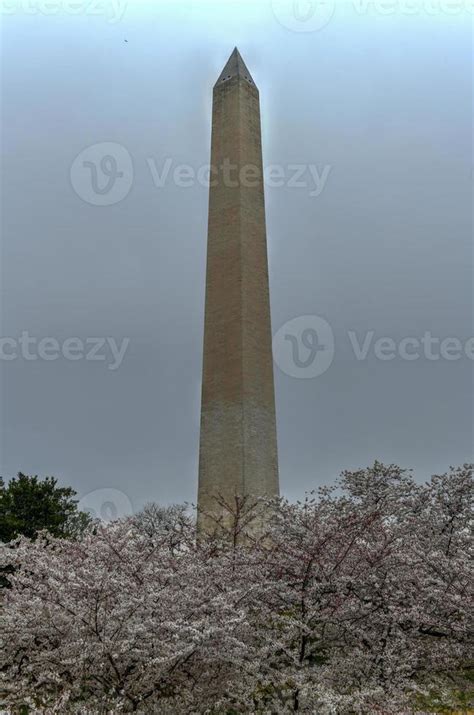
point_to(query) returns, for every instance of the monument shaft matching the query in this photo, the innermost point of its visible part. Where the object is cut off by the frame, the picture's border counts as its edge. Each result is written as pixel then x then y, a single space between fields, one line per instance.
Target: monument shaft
pixel 238 446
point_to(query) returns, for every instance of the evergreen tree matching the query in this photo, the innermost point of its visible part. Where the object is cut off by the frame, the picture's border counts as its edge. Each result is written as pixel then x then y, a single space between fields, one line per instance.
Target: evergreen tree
pixel 29 504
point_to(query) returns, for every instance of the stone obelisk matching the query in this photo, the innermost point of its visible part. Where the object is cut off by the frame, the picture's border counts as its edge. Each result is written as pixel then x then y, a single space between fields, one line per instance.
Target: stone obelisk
pixel 238 445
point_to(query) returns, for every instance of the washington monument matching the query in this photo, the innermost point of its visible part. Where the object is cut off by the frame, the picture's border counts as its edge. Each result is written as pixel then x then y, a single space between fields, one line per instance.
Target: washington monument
pixel 238 445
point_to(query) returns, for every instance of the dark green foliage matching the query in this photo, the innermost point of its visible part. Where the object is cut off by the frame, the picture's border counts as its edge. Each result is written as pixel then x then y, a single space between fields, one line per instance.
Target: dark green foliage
pixel 29 504
pixel 459 685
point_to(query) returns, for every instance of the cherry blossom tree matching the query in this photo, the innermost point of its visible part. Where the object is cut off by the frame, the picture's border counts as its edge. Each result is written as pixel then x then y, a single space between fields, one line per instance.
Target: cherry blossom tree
pixel 356 600
pixel 369 597
pixel 117 621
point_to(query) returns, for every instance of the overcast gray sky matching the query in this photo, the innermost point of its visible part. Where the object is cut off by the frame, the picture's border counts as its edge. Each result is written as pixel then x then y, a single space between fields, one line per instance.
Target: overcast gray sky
pixel 373 98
